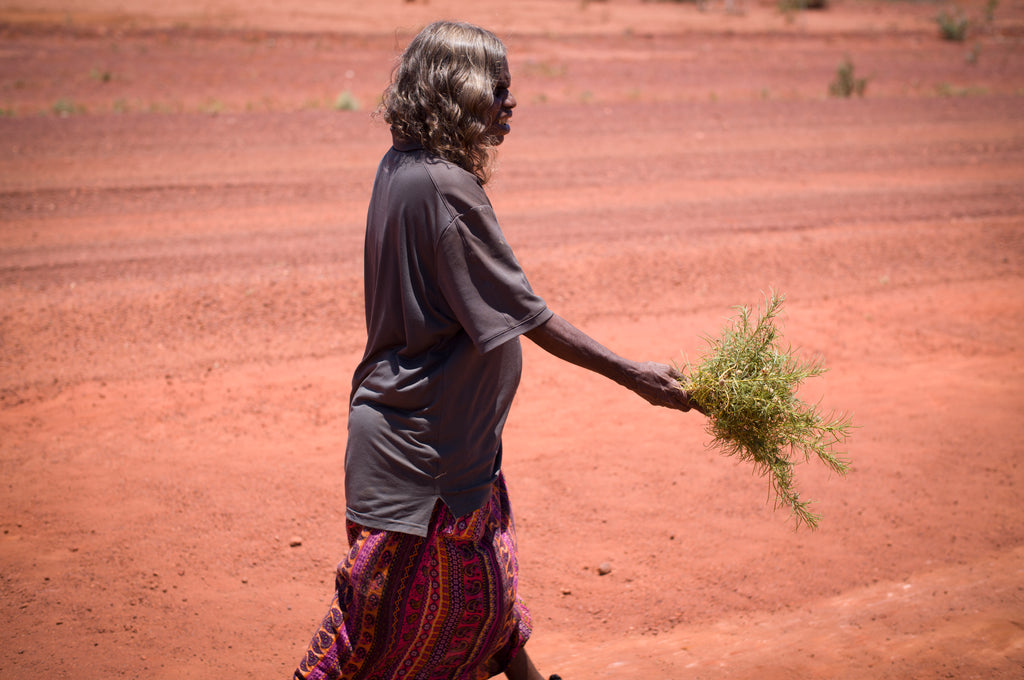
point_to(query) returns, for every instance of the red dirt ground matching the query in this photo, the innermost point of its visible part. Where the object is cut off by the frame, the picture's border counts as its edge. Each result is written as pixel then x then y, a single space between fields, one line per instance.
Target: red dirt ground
pixel 182 213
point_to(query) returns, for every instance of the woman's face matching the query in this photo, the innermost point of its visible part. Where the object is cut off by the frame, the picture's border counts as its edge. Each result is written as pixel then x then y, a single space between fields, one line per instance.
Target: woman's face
pixel 501 107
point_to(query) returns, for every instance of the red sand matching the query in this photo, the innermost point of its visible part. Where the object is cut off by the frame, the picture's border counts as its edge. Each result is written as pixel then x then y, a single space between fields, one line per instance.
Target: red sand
pixel 180 315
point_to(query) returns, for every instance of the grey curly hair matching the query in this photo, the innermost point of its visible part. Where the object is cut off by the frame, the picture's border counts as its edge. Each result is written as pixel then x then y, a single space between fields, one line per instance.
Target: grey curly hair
pixel 442 89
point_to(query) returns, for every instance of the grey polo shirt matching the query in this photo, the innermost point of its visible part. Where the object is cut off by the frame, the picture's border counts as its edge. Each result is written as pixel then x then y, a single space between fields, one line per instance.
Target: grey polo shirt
pixel 446 302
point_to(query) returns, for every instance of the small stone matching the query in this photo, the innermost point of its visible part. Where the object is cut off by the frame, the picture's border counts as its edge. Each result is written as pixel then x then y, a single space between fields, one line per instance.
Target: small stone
pixel 604 569
pixel 566 591
pixel 294 542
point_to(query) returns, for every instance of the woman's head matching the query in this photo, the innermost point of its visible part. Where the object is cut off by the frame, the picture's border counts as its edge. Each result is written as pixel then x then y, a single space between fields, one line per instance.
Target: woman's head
pixel 450 93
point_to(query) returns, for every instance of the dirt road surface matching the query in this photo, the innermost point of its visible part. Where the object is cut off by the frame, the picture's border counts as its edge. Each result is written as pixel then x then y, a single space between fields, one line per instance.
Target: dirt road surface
pixel 182 194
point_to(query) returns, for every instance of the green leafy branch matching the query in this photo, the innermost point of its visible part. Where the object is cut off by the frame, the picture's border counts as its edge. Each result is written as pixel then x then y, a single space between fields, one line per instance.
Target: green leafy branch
pixel 746 383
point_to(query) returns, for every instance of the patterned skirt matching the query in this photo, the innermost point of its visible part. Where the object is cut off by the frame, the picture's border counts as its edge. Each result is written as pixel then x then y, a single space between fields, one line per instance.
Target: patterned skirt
pixel 442 607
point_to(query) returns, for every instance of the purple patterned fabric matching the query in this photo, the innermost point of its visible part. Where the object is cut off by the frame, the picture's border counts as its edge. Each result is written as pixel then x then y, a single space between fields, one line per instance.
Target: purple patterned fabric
pixel 442 607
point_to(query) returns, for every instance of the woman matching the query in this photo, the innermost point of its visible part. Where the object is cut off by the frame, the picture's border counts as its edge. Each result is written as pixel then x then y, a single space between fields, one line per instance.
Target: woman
pixel 428 589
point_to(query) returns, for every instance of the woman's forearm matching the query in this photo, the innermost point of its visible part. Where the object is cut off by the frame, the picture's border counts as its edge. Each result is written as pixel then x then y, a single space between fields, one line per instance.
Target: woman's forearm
pixel 560 338
pixel 657 383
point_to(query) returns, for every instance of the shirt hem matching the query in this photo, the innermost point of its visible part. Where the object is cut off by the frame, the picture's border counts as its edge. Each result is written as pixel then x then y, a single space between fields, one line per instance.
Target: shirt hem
pixel 396 526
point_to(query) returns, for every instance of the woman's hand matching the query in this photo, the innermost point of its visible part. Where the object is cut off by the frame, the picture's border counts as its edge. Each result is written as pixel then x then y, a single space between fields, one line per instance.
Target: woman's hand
pixel 661 385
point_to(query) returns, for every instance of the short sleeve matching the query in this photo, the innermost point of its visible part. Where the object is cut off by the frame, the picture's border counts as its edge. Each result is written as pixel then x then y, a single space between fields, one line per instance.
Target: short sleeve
pixel 483 283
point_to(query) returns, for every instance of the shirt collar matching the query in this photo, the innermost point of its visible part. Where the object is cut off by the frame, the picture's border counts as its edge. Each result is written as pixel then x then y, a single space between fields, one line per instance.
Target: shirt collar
pixel 404 143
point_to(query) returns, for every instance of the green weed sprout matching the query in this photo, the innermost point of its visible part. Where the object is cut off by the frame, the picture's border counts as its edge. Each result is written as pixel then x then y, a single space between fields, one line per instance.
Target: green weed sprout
pixel 845 84
pixel 746 383
pixel 952 25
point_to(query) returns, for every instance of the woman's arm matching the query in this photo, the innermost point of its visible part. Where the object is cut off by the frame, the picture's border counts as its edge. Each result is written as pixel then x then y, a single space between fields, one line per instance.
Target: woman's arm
pixel 657 383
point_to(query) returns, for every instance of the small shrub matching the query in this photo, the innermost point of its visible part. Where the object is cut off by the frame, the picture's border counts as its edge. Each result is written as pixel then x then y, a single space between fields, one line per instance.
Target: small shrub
pixel 65 107
pixel 950 90
pixel 952 25
pixel 846 84
pixel 990 10
pixel 212 107
pixel 346 101
pixel 100 76
pixel 786 6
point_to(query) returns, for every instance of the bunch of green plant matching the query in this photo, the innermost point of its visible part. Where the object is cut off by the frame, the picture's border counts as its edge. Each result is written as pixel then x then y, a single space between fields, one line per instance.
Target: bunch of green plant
pixel 846 84
pixel 746 383
pixel 952 25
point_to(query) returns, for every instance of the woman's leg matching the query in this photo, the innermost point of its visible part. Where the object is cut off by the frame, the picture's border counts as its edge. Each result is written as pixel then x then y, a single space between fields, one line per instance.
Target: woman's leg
pixel 522 668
